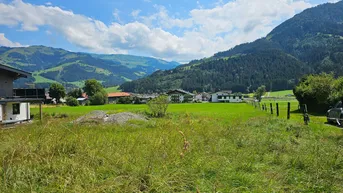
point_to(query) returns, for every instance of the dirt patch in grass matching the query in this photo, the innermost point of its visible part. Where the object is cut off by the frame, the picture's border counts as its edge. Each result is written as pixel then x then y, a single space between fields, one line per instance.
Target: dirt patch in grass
pixel 103 117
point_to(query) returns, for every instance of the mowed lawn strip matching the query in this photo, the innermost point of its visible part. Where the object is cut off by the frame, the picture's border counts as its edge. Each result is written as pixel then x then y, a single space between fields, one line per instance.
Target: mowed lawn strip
pixel 197 147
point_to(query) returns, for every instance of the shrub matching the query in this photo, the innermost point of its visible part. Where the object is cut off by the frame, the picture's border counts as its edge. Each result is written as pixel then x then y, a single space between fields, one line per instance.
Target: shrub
pixel 260 92
pixel 158 106
pixel 316 91
pixel 57 91
pixel 76 93
pixel 70 101
pixel 125 100
pixel 99 98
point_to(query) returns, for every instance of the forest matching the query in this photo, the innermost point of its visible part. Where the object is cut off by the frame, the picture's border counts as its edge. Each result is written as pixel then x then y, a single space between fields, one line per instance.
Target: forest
pixel 309 43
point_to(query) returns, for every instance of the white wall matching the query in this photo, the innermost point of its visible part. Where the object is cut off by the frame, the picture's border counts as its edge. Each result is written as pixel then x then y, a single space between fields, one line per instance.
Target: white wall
pixel 229 99
pixel 181 98
pixel 24 112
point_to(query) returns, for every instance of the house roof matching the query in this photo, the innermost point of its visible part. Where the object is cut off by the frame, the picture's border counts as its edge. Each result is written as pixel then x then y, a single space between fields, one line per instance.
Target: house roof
pixel 181 91
pixel 118 94
pixel 17 73
pixel 224 91
pixel 4 101
pixel 84 95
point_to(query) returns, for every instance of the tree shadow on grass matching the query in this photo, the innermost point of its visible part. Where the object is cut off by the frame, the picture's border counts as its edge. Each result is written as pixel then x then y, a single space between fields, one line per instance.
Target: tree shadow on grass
pixel 316 114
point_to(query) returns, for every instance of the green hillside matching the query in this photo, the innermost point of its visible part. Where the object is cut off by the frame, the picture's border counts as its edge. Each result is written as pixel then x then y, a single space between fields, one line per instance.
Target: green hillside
pixel 58 65
pixel 310 42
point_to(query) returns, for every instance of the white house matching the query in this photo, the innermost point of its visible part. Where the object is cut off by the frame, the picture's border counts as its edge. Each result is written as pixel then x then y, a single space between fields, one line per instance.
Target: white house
pixel 180 96
pixel 15 108
pixel 226 97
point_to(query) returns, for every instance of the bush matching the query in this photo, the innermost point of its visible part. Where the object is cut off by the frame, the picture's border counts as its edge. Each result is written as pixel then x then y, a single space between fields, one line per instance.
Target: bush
pixel 99 98
pixel 158 106
pixel 70 101
pixel 260 92
pixel 125 100
pixel 318 92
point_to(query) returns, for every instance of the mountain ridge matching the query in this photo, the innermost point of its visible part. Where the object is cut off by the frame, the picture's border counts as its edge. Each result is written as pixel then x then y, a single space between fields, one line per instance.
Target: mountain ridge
pixel 49 65
pixel 309 42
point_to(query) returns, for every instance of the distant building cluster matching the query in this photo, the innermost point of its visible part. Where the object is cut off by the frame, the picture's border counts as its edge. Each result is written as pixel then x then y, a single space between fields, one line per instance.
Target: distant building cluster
pixel 177 96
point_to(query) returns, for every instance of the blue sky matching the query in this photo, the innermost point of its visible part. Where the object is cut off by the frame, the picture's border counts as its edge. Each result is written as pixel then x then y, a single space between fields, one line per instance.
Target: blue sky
pixel 173 30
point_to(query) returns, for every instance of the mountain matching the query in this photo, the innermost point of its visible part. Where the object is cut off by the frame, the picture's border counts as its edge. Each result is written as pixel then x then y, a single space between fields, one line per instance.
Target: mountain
pixel 310 42
pixel 58 65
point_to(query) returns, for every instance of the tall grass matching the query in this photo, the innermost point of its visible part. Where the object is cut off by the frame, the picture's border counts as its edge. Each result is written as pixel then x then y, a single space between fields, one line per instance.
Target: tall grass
pixel 204 148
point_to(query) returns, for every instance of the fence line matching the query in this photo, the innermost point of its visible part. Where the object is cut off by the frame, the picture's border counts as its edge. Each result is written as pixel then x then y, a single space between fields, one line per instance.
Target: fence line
pixel 271 110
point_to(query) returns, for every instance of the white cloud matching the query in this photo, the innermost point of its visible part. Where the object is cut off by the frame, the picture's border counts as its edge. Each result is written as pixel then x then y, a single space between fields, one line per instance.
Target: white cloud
pixel 203 33
pixel 8 43
pixel 116 13
pixel 48 32
pixel 162 19
pixel 135 13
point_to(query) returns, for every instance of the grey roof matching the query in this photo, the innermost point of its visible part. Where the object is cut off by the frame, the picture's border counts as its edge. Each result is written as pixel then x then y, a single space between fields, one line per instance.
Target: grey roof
pixel 18 72
pixel 11 100
pixel 182 91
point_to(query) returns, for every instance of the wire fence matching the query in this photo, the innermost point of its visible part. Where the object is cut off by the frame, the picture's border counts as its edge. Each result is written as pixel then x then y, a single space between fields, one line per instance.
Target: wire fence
pixel 282 109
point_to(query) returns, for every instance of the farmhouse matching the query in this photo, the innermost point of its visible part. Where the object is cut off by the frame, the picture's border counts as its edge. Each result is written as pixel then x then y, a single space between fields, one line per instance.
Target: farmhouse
pixel 180 96
pixel 226 97
pixel 143 98
pixel 15 103
pixel 115 96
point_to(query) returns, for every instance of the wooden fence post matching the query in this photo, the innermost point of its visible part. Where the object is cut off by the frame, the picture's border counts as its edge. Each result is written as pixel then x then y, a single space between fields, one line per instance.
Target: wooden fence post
pixel 265 107
pixel 277 109
pixel 271 108
pixel 288 110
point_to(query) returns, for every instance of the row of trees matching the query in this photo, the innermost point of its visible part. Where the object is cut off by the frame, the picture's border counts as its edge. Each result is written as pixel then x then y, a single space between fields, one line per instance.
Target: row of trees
pixel 94 90
pixel 319 92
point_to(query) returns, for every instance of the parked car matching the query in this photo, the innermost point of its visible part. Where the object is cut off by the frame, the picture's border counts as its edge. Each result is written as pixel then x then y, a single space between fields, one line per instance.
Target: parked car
pixel 335 114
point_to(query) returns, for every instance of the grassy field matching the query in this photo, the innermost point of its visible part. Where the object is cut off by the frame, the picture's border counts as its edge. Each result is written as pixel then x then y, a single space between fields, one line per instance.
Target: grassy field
pixel 195 148
pixel 112 89
pixel 280 93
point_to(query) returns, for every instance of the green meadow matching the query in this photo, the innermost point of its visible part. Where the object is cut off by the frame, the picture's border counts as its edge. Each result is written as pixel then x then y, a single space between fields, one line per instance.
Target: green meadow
pixel 195 148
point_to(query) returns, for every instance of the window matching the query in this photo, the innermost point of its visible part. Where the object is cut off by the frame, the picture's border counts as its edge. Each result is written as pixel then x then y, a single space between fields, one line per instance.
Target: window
pixel 16 109
pixel 220 97
pixel 234 97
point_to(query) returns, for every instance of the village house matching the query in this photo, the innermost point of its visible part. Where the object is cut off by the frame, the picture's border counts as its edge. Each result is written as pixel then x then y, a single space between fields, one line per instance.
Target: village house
pixel 226 97
pixel 15 103
pixel 202 97
pixel 180 96
pixel 143 98
pixel 83 99
pixel 115 96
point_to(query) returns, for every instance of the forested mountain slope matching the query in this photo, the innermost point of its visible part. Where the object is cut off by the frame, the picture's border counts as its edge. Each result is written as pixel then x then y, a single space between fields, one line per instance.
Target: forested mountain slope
pixel 58 65
pixel 310 42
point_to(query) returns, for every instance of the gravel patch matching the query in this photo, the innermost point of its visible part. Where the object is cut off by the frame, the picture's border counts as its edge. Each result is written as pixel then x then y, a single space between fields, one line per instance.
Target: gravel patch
pixel 103 117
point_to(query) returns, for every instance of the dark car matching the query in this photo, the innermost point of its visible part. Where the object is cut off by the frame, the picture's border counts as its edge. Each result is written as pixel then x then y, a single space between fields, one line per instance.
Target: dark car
pixel 335 114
